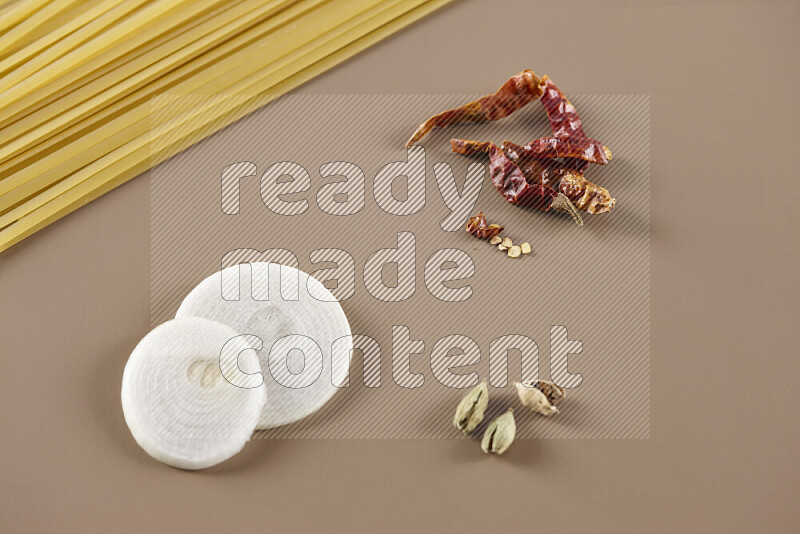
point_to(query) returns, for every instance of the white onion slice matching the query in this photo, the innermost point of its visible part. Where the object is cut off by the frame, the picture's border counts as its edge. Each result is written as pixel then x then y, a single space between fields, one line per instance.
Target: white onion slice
pixel 179 406
pixel 287 302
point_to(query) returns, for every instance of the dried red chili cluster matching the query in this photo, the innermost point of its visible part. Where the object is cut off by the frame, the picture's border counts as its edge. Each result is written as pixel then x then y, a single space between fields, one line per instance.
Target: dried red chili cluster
pixel 546 173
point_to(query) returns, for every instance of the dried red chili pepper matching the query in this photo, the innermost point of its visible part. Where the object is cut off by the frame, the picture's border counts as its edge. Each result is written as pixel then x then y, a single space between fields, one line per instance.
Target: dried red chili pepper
pixel 523 153
pixel 506 167
pixel 568 139
pixel 476 225
pixel 512 183
pixel 566 179
pixel 589 150
pixel 516 93
pixel 530 175
pixel 582 151
pixel 469 148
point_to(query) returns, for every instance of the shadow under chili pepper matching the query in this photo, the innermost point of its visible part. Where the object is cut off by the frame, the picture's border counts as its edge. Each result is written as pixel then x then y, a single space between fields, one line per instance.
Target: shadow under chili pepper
pixel 622 224
pixel 628 224
pixel 619 172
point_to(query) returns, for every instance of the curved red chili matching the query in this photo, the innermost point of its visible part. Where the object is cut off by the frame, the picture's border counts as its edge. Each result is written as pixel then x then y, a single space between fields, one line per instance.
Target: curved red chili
pixel 586 149
pixel 543 178
pixel 512 184
pixel 568 139
pixel 516 93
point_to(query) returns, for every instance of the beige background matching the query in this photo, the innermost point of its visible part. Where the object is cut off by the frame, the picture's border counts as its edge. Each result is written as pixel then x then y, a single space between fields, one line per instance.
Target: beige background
pixel 74 300
pixel 595 280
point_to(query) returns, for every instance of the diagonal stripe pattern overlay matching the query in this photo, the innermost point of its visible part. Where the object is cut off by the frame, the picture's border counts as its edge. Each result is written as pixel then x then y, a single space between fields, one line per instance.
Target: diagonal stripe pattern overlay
pixel 593 281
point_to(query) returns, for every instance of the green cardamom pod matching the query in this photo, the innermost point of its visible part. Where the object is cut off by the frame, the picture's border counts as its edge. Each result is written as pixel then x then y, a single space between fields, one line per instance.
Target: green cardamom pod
pixel 499 434
pixel 469 413
pixel 540 396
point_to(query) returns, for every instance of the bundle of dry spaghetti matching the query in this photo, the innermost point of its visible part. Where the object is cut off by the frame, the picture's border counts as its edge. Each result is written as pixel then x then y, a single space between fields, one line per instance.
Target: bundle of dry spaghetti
pixel 78 81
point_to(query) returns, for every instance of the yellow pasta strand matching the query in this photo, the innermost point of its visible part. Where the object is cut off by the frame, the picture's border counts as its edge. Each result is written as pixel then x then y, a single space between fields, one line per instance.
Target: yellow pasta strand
pixel 98 69
pixel 44 27
pixel 19 12
pixel 11 40
pixel 42 54
pixel 269 78
pixel 48 121
pixel 65 24
pixel 215 65
pixel 326 20
pixel 29 77
pixel 272 47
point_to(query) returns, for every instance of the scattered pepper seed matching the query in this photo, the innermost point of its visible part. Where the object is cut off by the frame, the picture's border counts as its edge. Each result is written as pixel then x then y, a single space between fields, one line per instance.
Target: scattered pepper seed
pixel 496 240
pixel 514 252
pixel 507 242
pixel 502 247
pixel 525 247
